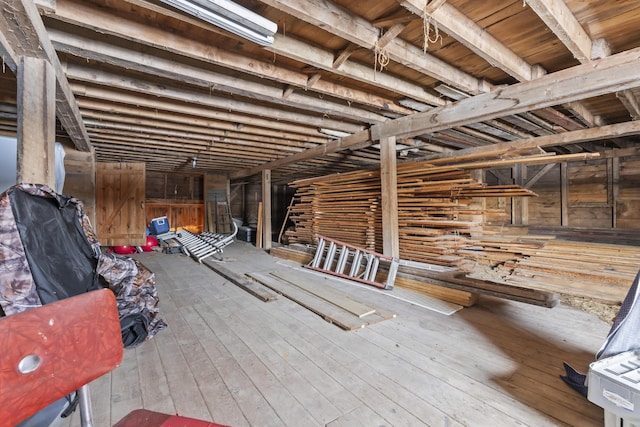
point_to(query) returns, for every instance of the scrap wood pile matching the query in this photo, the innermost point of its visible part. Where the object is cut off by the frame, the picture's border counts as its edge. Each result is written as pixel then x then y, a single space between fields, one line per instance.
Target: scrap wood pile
pixel 440 218
pixel 598 271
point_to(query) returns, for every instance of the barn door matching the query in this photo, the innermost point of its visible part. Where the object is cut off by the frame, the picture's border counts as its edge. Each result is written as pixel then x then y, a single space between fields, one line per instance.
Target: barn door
pixel 120 195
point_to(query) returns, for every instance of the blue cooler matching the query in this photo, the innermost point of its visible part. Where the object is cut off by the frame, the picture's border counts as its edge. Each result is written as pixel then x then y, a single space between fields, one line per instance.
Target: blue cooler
pixel 159 225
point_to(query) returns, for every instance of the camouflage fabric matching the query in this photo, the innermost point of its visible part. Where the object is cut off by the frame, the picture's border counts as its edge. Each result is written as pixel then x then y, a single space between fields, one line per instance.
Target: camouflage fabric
pixel 132 282
pixel 17 288
pixel 134 286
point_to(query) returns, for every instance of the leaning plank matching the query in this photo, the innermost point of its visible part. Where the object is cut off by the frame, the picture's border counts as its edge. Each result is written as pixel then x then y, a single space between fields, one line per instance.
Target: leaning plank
pixel 248 285
pixel 329 312
pixel 314 286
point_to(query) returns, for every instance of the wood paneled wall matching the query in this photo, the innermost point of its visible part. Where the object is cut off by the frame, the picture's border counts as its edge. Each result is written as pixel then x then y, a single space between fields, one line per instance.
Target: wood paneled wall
pixel 603 193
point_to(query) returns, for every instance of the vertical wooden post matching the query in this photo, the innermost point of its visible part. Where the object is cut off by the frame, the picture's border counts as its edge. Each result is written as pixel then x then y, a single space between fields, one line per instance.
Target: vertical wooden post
pixel 266 209
pixel 389 184
pixel 478 203
pixel 519 205
pixel 36 100
pixel 614 189
pixel 564 195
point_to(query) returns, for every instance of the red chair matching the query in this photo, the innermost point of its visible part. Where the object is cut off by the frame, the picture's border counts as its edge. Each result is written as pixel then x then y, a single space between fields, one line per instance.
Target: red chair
pixel 50 351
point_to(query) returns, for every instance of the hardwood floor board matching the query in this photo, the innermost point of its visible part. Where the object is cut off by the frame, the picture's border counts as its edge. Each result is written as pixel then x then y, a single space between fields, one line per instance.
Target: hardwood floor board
pixel 567 405
pixel 303 390
pixel 184 389
pixel 253 404
pixel 498 366
pixel 126 394
pixel 283 403
pixel 278 364
pixel 99 388
pixel 351 344
pixel 401 404
pixel 362 416
pixel 154 386
pixel 324 290
pixel 278 335
pixel 389 408
pixel 219 400
pixel 323 308
pixel 484 381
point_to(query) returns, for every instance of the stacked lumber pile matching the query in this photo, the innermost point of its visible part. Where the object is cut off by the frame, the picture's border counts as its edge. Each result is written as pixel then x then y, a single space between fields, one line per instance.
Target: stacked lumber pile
pixel 436 210
pixel 440 216
pixel 598 271
pixel 344 206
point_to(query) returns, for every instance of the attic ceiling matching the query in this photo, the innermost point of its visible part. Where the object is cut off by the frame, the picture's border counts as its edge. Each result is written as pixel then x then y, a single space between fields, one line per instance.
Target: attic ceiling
pixel 145 82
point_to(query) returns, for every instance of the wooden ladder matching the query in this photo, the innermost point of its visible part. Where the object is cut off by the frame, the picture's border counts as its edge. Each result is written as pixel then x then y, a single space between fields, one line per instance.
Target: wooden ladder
pixel 351 262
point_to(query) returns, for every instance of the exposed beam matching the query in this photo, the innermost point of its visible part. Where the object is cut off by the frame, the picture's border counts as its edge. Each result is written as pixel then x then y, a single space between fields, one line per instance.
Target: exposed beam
pixel 102 77
pixel 355 141
pixel 101 21
pixel 631 102
pixel 565 26
pixel 357 30
pixel 24 34
pixel 106 100
pixel 130 59
pixel 389 35
pixel 470 34
pixel 344 55
pixel 139 114
pixel 607 75
pixel 591 134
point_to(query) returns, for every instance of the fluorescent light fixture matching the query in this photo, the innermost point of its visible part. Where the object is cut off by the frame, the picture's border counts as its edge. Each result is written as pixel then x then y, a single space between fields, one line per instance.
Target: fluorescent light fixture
pixel 334 133
pixel 399 147
pixel 231 17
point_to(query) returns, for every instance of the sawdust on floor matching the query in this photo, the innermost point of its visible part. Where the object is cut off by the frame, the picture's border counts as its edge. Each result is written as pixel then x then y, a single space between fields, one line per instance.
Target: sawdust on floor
pixel 605 312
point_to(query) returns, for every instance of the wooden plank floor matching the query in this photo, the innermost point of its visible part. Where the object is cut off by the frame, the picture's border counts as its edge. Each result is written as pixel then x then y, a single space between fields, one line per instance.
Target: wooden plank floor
pixel 230 358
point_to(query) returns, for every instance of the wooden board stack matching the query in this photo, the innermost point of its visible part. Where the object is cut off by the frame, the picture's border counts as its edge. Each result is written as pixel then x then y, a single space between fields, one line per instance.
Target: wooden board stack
pixel 440 216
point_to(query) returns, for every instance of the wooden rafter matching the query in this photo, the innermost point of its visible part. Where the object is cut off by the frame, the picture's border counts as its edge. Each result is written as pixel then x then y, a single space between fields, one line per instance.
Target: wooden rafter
pixel 582 81
pixel 470 34
pixel 565 26
pixel 83 15
pixel 78 72
pixel 362 32
pixel 568 85
pixel 24 34
pixel 130 59
pixel 631 102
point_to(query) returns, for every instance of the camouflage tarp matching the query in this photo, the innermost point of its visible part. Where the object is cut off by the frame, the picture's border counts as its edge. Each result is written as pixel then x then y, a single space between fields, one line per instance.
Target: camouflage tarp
pixel 48 251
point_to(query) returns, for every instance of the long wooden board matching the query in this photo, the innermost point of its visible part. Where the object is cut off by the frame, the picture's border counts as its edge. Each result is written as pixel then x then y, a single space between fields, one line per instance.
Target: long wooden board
pixel 329 312
pixel 250 286
pixel 314 285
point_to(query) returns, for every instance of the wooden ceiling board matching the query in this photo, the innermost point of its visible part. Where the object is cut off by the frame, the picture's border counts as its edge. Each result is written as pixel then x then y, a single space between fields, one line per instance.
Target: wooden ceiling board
pixel 133 59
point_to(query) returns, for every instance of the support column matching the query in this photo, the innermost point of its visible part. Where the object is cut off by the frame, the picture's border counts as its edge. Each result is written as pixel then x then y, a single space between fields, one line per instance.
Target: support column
pixel 389 184
pixel 266 209
pixel 36 100
pixel 519 205
pixel 564 195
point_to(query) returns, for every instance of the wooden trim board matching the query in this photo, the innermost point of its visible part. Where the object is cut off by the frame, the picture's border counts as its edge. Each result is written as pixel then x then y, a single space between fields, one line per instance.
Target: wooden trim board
pixel 330 312
pixel 248 285
pixel 315 286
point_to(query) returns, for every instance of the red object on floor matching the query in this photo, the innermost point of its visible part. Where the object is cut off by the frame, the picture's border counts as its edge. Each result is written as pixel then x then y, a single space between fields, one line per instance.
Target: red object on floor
pixel 124 250
pixel 142 417
pixel 151 242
